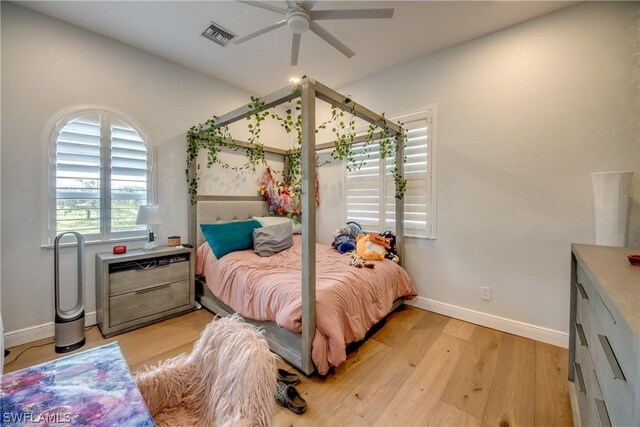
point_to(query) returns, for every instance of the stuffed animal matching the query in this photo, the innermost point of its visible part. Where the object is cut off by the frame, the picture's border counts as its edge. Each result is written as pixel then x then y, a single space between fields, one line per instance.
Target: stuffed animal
pixel 344 243
pixel 343 231
pixel 392 253
pixel 345 237
pixel 355 228
pixel 359 262
pixel 368 249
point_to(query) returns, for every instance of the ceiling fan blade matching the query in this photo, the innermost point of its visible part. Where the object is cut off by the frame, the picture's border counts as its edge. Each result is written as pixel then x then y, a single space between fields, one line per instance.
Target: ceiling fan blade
pixel 308 4
pixel 260 32
pixel 295 49
pixel 291 3
pixel 352 14
pixel 329 38
pixel 266 6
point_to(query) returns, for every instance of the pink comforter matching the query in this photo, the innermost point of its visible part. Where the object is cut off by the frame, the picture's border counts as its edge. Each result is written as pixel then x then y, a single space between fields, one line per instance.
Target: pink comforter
pixel 349 300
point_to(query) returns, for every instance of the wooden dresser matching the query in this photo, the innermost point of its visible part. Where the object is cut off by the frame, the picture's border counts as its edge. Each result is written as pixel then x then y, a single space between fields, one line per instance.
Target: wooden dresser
pixel 142 287
pixel 604 339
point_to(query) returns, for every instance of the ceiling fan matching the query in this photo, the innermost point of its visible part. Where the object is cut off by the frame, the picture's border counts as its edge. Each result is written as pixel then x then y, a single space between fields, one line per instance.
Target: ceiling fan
pixel 299 18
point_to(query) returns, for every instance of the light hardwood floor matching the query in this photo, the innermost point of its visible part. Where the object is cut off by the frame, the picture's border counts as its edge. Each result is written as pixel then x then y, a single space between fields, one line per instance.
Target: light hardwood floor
pixel 421 368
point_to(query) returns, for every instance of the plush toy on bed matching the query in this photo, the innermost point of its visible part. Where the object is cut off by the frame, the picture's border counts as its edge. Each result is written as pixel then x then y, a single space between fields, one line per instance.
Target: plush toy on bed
pixel 392 253
pixel 355 228
pixel 372 246
pixel 345 238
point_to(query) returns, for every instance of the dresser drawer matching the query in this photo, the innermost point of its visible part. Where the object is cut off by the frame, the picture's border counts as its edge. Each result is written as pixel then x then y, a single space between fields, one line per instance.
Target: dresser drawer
pixel 145 302
pixel 623 342
pixel 619 393
pixel 583 308
pixel 600 414
pixel 583 375
pixel 594 409
pixel 598 406
pixel 586 290
pixel 583 328
pixel 123 282
pixel 619 334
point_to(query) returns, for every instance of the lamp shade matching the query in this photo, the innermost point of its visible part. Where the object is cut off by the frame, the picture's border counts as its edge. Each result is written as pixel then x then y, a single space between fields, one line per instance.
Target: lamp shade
pixel 148 214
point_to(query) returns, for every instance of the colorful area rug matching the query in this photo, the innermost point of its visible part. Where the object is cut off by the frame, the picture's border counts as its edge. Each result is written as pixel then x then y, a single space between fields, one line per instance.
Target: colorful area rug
pixel 91 388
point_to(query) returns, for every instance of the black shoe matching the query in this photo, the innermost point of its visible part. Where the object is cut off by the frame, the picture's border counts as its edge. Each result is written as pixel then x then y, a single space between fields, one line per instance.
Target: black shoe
pixel 288 397
pixel 287 377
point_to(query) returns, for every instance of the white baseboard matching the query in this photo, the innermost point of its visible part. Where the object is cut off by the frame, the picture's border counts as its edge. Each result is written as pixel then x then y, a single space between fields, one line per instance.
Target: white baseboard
pixel 527 330
pixel 35 333
pixel 538 333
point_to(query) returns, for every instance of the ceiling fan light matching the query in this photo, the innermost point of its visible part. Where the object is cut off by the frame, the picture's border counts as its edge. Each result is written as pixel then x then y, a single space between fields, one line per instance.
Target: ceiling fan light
pixel 298 24
pixel 298 21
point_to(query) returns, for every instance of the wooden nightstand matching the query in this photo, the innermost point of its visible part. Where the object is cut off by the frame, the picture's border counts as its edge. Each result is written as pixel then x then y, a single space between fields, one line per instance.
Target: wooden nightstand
pixel 143 287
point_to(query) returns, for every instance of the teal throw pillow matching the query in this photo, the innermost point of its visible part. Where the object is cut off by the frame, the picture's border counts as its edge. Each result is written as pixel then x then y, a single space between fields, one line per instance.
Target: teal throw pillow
pixel 230 236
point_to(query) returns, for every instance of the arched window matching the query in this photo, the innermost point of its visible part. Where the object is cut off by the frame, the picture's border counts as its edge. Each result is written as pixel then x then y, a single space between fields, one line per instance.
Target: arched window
pixel 100 171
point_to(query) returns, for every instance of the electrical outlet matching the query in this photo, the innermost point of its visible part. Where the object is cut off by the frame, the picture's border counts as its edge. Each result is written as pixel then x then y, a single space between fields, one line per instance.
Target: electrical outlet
pixel 485 293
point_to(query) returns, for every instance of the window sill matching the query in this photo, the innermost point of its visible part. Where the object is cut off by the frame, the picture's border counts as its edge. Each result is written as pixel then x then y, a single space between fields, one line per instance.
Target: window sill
pixel 98 242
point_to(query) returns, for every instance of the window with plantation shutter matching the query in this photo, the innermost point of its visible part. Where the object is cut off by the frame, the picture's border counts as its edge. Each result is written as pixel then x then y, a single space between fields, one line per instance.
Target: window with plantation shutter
pixel 100 173
pixel 370 190
pixel 364 196
pixel 129 171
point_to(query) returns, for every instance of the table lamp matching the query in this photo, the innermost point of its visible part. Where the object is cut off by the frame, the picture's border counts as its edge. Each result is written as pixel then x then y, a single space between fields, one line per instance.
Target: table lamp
pixel 149 215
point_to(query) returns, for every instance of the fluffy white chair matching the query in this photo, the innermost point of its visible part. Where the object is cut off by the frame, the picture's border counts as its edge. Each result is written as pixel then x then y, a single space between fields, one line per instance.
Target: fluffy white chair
pixel 229 379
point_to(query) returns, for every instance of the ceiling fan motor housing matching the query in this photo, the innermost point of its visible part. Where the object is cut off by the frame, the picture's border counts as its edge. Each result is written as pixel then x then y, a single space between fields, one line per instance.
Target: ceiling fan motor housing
pixel 298 20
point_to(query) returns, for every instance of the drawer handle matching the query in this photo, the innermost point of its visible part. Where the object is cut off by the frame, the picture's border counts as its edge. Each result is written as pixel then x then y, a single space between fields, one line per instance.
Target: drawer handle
pixel 603 414
pixel 611 358
pixel 583 293
pixel 155 288
pixel 581 387
pixel 581 335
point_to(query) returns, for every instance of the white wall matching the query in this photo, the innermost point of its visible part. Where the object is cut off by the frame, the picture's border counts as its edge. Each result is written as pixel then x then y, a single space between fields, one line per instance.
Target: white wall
pixel 48 66
pixel 524 116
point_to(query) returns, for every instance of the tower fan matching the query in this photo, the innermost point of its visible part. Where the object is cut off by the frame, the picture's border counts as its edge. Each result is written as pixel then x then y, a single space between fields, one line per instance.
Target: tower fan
pixel 69 324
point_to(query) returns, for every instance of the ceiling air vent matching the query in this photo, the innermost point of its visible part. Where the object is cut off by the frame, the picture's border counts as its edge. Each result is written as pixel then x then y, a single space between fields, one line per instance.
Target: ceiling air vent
pixel 217 34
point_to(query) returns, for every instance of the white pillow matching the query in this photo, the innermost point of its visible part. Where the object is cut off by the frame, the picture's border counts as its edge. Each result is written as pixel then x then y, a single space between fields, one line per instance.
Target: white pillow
pixel 273 220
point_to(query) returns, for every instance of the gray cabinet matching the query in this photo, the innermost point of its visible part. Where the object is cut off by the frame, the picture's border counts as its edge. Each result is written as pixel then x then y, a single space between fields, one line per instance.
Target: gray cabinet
pixel 142 287
pixel 604 339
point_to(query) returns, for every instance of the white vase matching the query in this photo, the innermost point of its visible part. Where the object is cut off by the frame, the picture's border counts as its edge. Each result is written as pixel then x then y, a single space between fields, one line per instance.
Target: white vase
pixel 611 201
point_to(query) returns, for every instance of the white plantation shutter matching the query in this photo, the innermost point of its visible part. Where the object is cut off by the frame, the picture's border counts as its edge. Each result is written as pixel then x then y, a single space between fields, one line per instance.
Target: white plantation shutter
pixel 371 190
pixel 100 174
pixel 416 172
pixel 77 175
pixel 129 172
pixel 364 197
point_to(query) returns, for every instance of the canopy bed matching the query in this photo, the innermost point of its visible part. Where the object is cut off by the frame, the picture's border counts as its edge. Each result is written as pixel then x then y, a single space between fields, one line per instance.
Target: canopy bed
pixel 297 348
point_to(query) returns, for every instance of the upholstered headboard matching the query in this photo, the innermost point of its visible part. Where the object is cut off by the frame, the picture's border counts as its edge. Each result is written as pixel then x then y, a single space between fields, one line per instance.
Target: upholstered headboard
pixel 216 209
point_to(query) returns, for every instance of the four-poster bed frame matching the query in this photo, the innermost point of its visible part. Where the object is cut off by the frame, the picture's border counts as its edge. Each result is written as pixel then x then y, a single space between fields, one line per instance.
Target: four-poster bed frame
pixel 296 348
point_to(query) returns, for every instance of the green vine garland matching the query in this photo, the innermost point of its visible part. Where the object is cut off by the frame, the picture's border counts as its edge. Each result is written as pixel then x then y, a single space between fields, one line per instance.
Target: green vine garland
pixel 343 126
